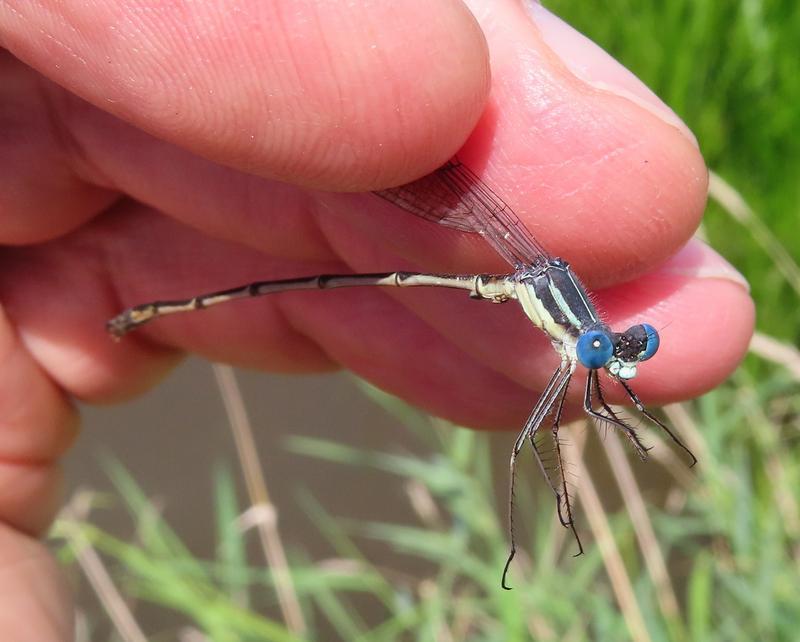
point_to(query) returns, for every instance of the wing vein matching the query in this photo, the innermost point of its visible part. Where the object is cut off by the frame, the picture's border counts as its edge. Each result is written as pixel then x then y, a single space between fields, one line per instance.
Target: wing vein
pixel 455 197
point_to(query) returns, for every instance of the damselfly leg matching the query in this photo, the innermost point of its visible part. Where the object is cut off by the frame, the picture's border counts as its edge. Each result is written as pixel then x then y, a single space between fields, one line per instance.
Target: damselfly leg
pixel 552 463
pixel 610 417
pixel 547 403
pixel 640 407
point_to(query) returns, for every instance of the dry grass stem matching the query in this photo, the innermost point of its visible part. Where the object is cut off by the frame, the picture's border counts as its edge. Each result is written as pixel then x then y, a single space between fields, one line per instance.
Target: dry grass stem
pixel 686 428
pixel 733 203
pixel 645 534
pixel 615 567
pixel 423 504
pixel 672 462
pixel 76 511
pixel 269 536
pixel 771 349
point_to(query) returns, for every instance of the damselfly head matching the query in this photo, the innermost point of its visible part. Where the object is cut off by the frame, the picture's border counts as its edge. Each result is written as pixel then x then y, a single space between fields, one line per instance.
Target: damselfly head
pixel 638 343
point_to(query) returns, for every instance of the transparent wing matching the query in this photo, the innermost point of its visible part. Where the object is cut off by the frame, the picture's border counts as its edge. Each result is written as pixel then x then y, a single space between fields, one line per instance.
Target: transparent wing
pixel 455 197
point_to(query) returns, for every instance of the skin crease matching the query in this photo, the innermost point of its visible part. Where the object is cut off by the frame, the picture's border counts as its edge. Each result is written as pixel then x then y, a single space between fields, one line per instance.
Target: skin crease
pixel 152 152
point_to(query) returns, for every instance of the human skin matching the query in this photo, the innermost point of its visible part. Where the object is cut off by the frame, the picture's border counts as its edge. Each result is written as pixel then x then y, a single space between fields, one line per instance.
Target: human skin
pixel 161 150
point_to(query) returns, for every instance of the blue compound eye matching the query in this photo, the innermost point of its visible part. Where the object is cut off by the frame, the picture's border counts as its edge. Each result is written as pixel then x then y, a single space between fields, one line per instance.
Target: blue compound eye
pixel 652 342
pixel 595 349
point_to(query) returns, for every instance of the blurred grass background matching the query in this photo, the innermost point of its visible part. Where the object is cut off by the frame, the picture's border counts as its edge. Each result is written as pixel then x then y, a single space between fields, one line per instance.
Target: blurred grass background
pixel 707 555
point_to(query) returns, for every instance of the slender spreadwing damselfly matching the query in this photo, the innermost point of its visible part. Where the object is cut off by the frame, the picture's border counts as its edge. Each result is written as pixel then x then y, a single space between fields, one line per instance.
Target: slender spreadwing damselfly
pixel 550 295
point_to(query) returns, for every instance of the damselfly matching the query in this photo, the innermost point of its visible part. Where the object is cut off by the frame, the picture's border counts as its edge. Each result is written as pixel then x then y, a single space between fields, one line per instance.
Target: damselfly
pixel 550 295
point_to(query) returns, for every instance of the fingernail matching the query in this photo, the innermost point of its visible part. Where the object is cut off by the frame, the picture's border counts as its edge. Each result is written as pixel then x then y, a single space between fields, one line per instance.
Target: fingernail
pixel 698 260
pixel 596 68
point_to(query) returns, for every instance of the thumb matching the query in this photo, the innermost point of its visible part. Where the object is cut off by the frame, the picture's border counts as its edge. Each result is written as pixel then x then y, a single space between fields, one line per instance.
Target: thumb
pixel 331 95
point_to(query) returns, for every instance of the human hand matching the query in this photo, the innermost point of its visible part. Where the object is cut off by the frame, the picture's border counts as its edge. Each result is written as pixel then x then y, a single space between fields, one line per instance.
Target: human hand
pixel 319 96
